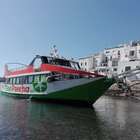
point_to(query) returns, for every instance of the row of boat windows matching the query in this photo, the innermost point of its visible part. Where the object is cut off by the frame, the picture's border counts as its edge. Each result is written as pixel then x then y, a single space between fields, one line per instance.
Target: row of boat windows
pixel 26 79
pixel 63 62
pixel 40 77
pixel 56 61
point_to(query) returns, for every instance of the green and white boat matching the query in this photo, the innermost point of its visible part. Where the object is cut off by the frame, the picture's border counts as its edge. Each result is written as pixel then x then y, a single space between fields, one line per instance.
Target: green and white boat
pixel 55 79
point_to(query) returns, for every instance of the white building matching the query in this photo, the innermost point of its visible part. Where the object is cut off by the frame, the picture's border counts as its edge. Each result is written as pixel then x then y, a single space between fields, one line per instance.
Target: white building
pixel 113 60
pixel 87 63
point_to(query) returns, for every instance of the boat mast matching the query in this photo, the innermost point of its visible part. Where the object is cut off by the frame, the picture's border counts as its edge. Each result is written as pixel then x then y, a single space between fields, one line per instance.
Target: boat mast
pixel 54 52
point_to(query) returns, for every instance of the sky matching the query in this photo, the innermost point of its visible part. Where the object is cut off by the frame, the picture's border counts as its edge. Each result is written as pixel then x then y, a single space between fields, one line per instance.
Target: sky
pixel 77 27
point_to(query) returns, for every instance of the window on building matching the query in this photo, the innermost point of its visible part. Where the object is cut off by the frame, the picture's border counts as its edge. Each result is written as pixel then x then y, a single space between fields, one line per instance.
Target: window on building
pixel 119 52
pixel 131 53
pixel 115 69
pixel 115 63
pixel 96 62
pixel 106 59
pixel 127 68
pixel 85 63
pixel 107 51
pixel 81 63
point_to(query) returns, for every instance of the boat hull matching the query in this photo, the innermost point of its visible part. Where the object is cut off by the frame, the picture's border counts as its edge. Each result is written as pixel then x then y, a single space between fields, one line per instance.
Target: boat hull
pixel 85 93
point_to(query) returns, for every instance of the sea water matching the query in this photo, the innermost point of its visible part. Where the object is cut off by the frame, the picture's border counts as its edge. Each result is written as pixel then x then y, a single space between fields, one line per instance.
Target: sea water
pixel 109 119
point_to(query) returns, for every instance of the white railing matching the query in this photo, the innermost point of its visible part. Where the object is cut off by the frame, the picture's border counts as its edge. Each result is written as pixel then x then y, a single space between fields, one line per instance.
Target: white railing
pixel 22 66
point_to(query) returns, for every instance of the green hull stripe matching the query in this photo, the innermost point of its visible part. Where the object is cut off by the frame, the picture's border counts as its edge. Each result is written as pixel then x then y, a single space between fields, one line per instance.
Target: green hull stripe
pixel 85 93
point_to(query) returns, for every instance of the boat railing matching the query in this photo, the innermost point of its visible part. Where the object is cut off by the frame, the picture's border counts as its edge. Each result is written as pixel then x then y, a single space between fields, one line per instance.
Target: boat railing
pixel 15 66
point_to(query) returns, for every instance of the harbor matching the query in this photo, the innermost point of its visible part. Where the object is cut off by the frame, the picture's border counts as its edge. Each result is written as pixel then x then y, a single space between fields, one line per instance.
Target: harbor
pixel 40 100
pixel 110 118
pixel 69 70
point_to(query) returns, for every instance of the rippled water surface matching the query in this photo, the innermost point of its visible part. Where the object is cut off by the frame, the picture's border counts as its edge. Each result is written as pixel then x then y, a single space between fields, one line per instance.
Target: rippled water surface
pixel 110 119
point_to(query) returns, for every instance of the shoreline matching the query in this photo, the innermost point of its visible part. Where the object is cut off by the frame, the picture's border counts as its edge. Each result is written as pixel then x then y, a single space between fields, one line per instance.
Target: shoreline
pixel 114 91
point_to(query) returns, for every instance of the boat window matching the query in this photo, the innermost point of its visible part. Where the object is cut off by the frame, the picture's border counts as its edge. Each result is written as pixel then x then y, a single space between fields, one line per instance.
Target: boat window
pixel 70 76
pixel 72 65
pixel 25 79
pixel 77 77
pixel 20 80
pixel 50 60
pixel 66 76
pixel 59 76
pixel 43 77
pixel 62 62
pixel 17 81
pixel 44 59
pixel 37 78
pixel 37 63
pixel 11 81
pixel 14 80
pixel 7 80
pixel 75 65
pixel 48 74
pixel 57 61
pixel 78 66
pixel 30 79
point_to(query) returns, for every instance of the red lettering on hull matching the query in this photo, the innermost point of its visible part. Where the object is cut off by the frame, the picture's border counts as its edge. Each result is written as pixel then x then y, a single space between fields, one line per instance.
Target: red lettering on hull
pixel 20 89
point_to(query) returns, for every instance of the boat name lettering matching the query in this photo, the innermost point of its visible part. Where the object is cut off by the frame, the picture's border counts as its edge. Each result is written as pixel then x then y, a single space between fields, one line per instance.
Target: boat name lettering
pixel 20 88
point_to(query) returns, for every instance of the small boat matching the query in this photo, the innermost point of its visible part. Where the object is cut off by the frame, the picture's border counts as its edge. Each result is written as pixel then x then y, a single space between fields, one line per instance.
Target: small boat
pixel 54 79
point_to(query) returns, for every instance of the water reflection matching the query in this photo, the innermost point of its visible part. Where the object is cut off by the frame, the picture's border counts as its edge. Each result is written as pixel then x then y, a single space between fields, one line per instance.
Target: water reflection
pixel 109 119
pixel 65 122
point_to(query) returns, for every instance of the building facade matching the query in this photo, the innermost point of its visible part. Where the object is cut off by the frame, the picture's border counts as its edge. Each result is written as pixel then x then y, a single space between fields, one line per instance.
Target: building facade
pixel 114 60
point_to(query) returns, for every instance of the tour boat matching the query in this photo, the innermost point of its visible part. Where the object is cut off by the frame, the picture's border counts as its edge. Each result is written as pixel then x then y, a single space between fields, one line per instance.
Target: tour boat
pixel 54 79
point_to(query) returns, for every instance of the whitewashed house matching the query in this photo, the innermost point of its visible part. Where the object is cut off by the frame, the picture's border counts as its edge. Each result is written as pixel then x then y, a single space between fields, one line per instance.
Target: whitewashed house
pixel 114 60
pixel 87 63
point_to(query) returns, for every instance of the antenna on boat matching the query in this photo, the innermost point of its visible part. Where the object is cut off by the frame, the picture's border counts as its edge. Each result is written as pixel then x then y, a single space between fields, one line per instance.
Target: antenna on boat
pixel 54 52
